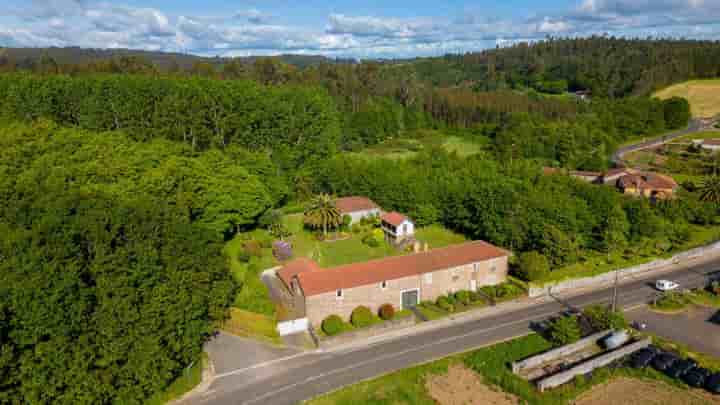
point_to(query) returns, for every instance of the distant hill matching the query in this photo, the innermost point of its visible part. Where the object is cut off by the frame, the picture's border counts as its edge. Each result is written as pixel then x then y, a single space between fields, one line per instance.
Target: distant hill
pixel 77 55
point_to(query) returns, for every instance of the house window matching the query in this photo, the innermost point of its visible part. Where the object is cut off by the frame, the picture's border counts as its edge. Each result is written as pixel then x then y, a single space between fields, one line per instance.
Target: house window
pixel 427 278
pixel 339 293
pixel 383 285
pixel 476 267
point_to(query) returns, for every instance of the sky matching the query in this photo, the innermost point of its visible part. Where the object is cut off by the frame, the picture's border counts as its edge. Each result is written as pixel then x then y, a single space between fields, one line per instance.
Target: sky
pixel 342 28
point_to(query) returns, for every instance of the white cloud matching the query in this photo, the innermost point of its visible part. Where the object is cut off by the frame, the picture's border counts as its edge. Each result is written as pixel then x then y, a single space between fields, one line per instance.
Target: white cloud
pixel 98 24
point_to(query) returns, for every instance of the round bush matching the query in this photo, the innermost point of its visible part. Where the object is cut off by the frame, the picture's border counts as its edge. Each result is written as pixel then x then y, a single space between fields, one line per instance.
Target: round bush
pixel 463 297
pixel 445 304
pixel 361 317
pixel 386 312
pixel 332 325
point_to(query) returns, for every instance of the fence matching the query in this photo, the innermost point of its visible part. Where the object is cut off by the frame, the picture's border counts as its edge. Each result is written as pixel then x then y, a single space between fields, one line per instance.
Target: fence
pixel 609 278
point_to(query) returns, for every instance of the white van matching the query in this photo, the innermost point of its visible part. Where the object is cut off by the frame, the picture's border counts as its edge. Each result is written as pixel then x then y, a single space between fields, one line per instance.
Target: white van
pixel 666 285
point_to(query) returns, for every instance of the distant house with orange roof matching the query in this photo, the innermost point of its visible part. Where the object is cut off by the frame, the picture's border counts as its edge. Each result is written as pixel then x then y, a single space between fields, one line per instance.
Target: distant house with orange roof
pixel 648 185
pixel 403 281
pixel 357 208
pixel 397 227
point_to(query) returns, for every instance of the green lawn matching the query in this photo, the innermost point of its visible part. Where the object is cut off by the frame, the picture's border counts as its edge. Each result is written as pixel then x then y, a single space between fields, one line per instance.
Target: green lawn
pixel 252 325
pixel 182 385
pixel 492 363
pixel 409 144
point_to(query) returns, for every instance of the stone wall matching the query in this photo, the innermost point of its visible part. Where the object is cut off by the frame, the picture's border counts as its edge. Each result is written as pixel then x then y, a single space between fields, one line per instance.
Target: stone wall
pixel 560 352
pixel 590 365
pixel 609 278
pixel 363 333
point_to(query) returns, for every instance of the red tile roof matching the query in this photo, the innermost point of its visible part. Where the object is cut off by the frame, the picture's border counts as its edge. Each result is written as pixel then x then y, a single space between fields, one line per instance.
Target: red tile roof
pixel 647 181
pixel 393 218
pixel 713 142
pixel 347 205
pixel 391 268
pixel 295 267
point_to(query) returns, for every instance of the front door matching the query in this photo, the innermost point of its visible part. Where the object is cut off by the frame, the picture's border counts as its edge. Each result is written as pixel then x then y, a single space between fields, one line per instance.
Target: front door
pixel 410 298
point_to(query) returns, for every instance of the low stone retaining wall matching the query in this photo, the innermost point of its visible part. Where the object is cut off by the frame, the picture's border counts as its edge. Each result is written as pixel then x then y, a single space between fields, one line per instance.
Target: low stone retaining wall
pixel 609 278
pixel 363 333
pixel 560 352
pixel 590 365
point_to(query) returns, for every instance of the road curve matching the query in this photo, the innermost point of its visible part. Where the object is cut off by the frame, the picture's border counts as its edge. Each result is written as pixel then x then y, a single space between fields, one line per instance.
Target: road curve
pixel 303 377
pixel 695 125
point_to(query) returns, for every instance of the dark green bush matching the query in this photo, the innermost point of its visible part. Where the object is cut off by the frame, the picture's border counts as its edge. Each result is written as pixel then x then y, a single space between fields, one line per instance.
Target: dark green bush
pixel 533 266
pixel 332 325
pixel 463 297
pixel 564 330
pixel 445 304
pixel 386 312
pixel 361 317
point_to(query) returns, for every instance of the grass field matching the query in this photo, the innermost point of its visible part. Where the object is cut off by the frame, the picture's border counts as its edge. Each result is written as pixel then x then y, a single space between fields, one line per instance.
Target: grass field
pixel 411 144
pixel 252 325
pixel 703 95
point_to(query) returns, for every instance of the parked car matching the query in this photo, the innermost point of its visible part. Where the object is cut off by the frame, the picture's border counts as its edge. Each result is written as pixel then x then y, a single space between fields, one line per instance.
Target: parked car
pixel 696 377
pixel 712 383
pixel 663 361
pixel 679 368
pixel 666 285
pixel 642 358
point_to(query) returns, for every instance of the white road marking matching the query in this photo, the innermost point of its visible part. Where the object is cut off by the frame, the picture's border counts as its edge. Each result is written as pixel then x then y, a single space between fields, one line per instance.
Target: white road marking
pixel 260 365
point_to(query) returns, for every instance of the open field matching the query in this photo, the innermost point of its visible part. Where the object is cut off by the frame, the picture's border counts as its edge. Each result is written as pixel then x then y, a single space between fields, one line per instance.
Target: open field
pixel 418 141
pixel 462 386
pixel 642 392
pixel 703 95
pixel 252 325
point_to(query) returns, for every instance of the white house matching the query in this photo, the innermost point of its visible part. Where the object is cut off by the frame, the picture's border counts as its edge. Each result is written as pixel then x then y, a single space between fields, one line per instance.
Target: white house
pixel 397 227
pixel 708 144
pixel 357 208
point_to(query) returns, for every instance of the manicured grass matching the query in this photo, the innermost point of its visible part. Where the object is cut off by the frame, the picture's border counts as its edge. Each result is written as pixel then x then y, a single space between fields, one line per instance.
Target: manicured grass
pixel 703 95
pixel 252 295
pixel 252 325
pixel 670 302
pixel 437 236
pixel 182 385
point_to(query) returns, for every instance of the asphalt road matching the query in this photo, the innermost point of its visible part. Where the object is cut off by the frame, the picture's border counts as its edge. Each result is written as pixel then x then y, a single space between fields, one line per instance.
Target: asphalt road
pixel 305 376
pixel 694 126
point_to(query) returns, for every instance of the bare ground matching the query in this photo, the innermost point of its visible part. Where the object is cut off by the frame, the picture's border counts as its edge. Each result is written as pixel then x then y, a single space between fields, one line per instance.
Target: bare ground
pixel 632 391
pixel 461 386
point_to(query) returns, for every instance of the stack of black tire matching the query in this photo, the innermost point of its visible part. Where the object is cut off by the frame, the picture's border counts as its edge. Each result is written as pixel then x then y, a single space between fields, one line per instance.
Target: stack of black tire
pixel 676 367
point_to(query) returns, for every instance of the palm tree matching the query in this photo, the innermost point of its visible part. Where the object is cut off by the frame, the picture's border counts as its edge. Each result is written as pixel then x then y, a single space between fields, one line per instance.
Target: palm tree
pixel 322 213
pixel 710 190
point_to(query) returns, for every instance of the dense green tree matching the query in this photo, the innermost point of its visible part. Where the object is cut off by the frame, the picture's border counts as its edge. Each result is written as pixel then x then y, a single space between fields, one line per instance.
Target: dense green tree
pixel 533 266
pixel 322 213
pixel 677 112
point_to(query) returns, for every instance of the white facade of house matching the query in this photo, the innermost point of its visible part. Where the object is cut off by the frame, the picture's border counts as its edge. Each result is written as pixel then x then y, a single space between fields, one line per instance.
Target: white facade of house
pixel 357 216
pixel 405 230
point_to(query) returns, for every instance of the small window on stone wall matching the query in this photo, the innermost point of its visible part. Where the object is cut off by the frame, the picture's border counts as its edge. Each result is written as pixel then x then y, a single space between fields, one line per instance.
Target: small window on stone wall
pixel 383 285
pixel 339 293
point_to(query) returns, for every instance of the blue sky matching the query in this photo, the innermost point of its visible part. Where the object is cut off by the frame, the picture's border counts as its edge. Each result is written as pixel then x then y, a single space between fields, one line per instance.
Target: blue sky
pixel 343 28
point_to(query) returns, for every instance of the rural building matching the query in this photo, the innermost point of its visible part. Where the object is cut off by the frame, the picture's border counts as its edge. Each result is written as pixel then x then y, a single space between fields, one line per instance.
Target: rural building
pixel 648 185
pixel 402 281
pixel 612 176
pixel 397 227
pixel 357 208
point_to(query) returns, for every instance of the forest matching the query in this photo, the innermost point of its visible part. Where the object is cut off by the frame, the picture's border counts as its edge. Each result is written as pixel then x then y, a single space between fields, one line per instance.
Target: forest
pixel 121 181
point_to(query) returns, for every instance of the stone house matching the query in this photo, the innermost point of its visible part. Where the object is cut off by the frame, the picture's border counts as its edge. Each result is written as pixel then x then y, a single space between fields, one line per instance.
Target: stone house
pixel 402 281
pixel 397 227
pixel 357 208
pixel 649 185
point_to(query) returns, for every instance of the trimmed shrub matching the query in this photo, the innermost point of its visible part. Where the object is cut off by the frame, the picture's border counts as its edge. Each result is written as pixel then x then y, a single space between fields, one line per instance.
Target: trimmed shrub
pixel 361 317
pixel 332 325
pixel 370 240
pixel 444 304
pixel 253 248
pixel 243 256
pixel 386 312
pixel 463 297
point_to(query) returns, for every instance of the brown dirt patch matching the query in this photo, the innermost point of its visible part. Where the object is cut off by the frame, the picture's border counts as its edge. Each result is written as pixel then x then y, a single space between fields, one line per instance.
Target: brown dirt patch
pixel 462 386
pixel 632 391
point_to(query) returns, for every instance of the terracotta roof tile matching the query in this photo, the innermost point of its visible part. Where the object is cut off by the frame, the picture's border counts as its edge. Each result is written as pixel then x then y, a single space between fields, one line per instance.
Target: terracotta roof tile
pixel 295 267
pixel 353 204
pixel 393 218
pixel 392 268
